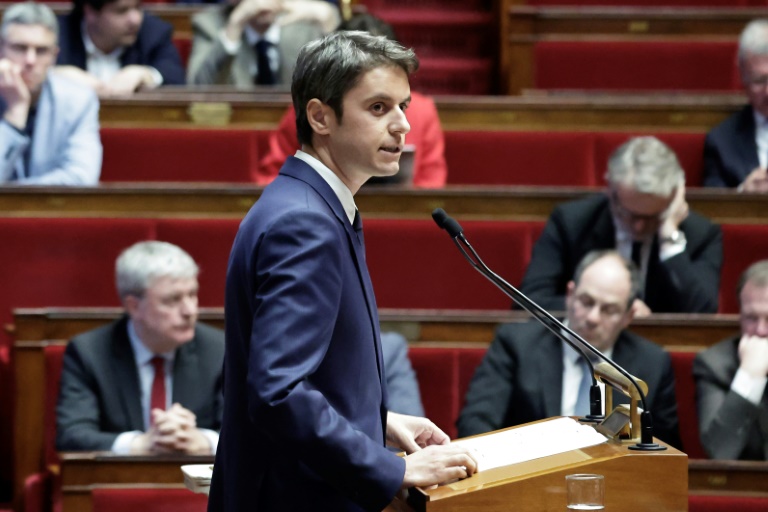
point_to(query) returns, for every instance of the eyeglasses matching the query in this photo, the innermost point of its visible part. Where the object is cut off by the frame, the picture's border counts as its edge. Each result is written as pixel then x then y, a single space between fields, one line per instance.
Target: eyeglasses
pixel 628 215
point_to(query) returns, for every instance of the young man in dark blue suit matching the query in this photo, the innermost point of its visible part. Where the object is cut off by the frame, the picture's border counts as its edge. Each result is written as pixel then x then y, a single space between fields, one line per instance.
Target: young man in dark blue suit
pixel 117 48
pixel 305 418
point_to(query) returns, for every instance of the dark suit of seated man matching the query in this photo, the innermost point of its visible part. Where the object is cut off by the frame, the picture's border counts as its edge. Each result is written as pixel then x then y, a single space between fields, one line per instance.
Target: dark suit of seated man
pixel 736 150
pixel 150 382
pixel 528 374
pixel 645 217
pixel 731 377
pixel 117 49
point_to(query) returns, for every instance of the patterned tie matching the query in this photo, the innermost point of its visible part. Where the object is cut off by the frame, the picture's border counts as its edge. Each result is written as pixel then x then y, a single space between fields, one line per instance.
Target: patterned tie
pixel 265 75
pixel 157 398
pixel 357 225
pixel 582 402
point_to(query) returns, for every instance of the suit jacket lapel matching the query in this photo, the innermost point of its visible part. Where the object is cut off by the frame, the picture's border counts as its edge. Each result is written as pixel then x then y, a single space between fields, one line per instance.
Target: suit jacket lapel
pixel 550 363
pixel 745 139
pixel 126 376
pixel 184 366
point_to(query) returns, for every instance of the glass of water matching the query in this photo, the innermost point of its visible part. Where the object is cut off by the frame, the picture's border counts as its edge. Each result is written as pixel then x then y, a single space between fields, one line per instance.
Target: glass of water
pixel 585 491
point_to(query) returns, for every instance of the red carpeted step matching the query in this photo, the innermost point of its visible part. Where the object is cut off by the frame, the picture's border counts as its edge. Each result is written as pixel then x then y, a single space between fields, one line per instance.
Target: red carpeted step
pixel 462 76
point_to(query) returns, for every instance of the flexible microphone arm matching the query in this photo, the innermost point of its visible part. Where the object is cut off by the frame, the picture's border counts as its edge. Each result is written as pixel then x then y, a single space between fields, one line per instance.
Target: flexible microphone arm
pixel 455 231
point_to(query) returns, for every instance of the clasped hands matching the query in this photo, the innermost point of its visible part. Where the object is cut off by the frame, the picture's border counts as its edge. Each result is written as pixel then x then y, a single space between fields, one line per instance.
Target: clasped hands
pixel 172 431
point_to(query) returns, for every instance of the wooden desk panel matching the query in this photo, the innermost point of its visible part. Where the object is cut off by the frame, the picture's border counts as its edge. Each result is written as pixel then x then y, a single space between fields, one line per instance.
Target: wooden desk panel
pixel 176 200
pixel 262 108
pixel 34 327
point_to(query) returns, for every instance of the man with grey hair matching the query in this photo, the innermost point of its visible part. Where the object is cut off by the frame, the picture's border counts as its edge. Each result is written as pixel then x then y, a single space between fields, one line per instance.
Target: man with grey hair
pixel 49 126
pixel 731 377
pixel 645 217
pixel 151 381
pixel 736 150
pixel 528 374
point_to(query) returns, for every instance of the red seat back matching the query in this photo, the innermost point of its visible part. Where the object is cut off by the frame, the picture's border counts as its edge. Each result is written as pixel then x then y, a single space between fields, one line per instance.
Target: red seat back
pixel 438 375
pixel 731 503
pixel 636 65
pixel 413 264
pixel 742 245
pixel 519 158
pixel 685 394
pixel 147 500
pixel 160 154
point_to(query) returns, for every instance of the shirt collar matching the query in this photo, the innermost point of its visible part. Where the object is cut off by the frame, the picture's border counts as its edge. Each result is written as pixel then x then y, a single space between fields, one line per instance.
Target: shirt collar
pixel 760 119
pixel 140 351
pixel 571 355
pixel 339 188
pixel 272 35
pixel 92 50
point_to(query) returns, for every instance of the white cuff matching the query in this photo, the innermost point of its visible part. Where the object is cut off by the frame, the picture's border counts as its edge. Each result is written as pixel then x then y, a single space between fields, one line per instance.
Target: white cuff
pixel 669 249
pixel 749 387
pixel 231 47
pixel 213 438
pixel 122 445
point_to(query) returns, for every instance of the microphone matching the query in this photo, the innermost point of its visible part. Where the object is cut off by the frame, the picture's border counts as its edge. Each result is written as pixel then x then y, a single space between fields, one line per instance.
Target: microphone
pixel 455 231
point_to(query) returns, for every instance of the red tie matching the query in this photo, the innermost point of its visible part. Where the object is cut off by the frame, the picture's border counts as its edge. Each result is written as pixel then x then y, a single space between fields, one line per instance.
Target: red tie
pixel 157 400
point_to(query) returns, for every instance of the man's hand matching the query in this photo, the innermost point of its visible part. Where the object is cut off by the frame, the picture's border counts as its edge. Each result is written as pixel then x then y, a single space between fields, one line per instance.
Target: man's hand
pixel 127 81
pixel 756 181
pixel 438 464
pixel 172 431
pixel 753 355
pixel 15 93
pixel 640 309
pixel 412 433
pixel 325 14
pixel 676 213
pixel 259 14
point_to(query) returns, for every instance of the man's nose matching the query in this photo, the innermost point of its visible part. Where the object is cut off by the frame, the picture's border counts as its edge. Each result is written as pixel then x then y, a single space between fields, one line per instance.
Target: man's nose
pixel 400 124
pixel 30 56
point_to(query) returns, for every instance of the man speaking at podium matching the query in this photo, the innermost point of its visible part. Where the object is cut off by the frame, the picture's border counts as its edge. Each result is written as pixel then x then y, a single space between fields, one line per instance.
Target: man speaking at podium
pixel 305 419
pixel 528 374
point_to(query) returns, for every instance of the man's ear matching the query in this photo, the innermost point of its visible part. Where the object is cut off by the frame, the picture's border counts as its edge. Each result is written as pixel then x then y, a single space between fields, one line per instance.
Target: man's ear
pixel 131 304
pixel 320 116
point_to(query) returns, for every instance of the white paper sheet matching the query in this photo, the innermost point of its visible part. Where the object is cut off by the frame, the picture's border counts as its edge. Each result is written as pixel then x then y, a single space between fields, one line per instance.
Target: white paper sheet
pixel 532 442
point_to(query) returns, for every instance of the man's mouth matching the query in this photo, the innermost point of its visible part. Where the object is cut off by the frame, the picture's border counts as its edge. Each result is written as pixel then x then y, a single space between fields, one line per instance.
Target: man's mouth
pixel 392 149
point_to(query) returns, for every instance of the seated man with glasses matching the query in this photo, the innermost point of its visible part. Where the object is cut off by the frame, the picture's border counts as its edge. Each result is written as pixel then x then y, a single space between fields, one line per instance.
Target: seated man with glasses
pixel 49 126
pixel 528 374
pixel 643 216
pixel 736 150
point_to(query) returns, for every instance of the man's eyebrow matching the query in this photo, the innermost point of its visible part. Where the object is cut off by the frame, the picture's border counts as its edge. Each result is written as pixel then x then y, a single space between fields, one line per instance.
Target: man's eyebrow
pixel 387 97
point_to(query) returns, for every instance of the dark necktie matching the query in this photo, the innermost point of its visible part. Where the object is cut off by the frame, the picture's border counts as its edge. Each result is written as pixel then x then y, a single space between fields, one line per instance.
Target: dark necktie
pixel 357 225
pixel 582 401
pixel 265 75
pixel 28 131
pixel 637 250
pixel 157 398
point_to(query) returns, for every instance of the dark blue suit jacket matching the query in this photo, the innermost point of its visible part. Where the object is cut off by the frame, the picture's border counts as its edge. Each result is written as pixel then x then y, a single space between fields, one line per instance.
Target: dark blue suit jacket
pixel 730 151
pixel 153 47
pixel 304 416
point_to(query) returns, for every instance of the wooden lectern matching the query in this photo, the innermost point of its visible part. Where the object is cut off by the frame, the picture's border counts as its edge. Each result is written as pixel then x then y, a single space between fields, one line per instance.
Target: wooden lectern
pixel 635 481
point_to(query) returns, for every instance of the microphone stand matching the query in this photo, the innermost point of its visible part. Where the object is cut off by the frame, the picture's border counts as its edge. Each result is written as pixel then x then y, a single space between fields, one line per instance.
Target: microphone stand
pixel 455 231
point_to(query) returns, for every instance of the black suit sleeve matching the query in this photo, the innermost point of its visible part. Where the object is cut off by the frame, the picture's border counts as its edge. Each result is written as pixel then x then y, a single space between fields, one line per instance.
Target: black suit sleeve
pixel 490 391
pixel 691 280
pixel 714 169
pixel 664 408
pixel 165 58
pixel 78 425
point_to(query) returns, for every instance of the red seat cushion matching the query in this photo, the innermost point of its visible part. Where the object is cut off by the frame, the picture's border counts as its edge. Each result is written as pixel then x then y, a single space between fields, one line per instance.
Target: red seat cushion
pixel 438 375
pixel 636 65
pixel 709 503
pixel 147 500
pixel 685 394
pixel 519 158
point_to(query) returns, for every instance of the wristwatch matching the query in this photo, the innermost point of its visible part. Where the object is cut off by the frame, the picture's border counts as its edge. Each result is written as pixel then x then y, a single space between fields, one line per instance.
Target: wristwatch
pixel 676 237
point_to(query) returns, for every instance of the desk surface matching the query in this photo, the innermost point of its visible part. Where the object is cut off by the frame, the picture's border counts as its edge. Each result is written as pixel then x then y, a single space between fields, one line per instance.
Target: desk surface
pixel 222 200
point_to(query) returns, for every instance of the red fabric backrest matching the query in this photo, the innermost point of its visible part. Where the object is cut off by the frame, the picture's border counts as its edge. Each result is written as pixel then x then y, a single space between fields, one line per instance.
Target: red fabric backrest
pixel 649 3
pixel 183 44
pixel 197 155
pixel 742 245
pixel 469 360
pixel 710 503
pixel 689 148
pixel 642 65
pixel 147 500
pixel 209 242
pixel 38 492
pixel 519 158
pixel 685 394
pixel 54 360
pixel 414 264
pixel 437 371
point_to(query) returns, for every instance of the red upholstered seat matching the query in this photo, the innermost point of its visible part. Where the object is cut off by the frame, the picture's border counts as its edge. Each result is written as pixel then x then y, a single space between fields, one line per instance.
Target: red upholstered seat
pixel 685 394
pixel 159 154
pixel 438 375
pixel 209 242
pixel 447 75
pixel 414 264
pixel 734 503
pixel 183 44
pixel 689 148
pixel 147 500
pixel 636 65
pixel 742 245
pixel 651 3
pixel 519 158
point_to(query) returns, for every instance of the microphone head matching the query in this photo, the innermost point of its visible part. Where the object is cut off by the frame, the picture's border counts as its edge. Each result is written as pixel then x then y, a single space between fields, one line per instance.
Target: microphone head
pixel 439 216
